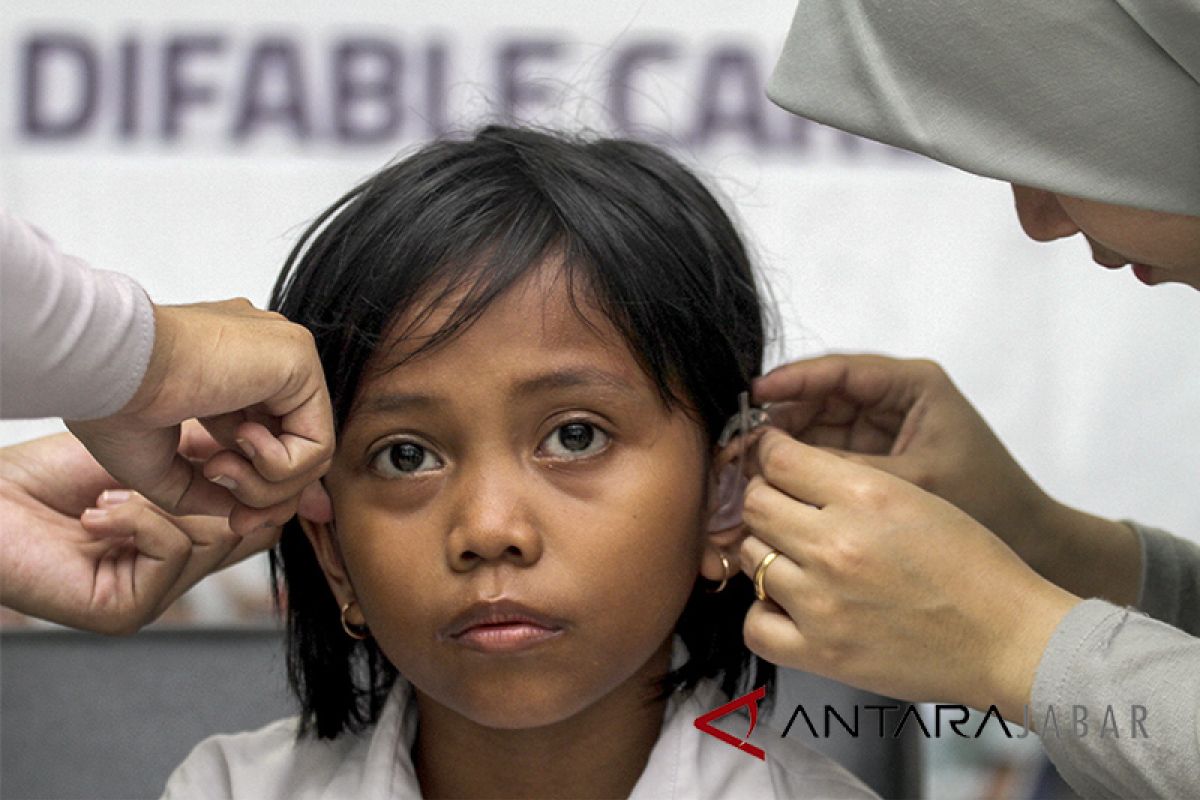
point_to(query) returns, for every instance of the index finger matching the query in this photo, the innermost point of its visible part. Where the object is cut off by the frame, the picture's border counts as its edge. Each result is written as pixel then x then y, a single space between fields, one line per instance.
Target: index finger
pixel 866 378
pixel 306 429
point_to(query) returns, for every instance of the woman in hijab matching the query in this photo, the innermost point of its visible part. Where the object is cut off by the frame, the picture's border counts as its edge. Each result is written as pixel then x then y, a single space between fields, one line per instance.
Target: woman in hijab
pixel 977 587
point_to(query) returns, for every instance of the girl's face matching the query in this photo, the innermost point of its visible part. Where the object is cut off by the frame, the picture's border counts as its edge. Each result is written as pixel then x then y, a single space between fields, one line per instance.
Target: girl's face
pixel 518 516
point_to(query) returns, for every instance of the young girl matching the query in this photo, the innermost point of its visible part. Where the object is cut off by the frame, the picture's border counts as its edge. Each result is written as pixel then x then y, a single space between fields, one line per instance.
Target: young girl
pixel 532 343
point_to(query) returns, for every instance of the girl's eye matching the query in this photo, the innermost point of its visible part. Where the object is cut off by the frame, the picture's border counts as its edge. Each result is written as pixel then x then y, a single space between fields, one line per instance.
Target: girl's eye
pixel 404 458
pixel 575 440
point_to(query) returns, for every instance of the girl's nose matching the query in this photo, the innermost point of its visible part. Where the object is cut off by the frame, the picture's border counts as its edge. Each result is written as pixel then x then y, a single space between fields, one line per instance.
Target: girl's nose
pixel 492 524
pixel 1041 215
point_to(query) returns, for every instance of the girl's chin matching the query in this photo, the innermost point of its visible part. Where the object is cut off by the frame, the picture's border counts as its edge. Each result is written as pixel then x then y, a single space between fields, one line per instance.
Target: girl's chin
pixel 503 708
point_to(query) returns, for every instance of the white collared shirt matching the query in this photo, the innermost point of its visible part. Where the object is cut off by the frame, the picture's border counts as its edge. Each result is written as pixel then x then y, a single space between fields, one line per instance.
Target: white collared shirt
pixel 270 764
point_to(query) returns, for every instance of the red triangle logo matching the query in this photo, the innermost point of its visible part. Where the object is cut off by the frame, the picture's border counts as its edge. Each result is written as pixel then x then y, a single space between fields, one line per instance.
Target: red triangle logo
pixel 703 722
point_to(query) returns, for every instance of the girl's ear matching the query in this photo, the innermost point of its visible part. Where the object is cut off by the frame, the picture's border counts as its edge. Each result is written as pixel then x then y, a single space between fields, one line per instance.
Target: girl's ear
pixel 323 538
pixel 725 530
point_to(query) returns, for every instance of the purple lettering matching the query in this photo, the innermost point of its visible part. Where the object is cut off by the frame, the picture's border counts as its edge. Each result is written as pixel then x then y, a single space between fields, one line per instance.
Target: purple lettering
pixel 367 90
pixel 630 61
pixel 273 60
pixel 179 91
pixel 731 97
pixel 129 66
pixel 517 94
pixel 74 52
pixel 435 89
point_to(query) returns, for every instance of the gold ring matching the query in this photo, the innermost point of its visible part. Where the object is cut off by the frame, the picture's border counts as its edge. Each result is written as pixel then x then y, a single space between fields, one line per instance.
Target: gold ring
pixel 760 574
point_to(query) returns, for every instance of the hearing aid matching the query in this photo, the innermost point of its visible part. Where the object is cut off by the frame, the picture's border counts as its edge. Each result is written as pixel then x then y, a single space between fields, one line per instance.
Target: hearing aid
pixel 731 480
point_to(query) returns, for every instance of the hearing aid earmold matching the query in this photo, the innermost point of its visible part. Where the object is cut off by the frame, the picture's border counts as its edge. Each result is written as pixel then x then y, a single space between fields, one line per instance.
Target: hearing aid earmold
pixel 732 482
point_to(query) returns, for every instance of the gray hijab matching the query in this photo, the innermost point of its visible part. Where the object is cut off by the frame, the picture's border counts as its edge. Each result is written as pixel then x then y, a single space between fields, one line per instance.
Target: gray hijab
pixel 1094 98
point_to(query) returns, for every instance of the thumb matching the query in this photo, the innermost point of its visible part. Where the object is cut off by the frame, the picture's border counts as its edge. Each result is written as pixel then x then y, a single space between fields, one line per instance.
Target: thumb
pixel 150 461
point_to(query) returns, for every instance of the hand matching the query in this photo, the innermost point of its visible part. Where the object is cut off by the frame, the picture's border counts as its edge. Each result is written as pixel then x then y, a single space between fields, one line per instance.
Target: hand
pixel 255 382
pixel 909 419
pixel 73 551
pixel 886 587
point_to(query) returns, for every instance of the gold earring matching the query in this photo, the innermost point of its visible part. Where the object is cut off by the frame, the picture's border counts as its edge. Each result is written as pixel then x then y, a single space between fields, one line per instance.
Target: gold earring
pixel 358 632
pixel 724 575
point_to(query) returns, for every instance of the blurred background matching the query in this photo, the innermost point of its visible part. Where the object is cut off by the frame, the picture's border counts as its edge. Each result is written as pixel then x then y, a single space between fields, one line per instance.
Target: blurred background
pixel 188 144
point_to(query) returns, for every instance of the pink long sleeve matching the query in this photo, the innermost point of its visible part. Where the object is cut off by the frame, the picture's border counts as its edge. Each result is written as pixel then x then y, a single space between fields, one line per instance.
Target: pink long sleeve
pixel 74 341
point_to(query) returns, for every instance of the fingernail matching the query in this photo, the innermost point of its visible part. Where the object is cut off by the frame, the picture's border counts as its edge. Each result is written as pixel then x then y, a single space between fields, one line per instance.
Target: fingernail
pixel 93 515
pixel 226 481
pixel 247 448
pixel 114 497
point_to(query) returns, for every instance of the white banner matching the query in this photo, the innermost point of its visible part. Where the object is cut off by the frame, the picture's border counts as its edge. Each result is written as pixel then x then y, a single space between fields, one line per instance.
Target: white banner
pixel 187 143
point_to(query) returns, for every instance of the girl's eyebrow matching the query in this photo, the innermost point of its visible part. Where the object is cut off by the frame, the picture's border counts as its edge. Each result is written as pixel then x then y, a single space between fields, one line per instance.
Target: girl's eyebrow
pixel 569 378
pixel 394 403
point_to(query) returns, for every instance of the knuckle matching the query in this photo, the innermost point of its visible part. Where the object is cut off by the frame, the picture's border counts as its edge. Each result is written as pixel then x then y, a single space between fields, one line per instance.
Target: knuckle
pixel 774 457
pixel 822 607
pixel 754 499
pixel 755 635
pixel 867 493
pixel 223 536
pixel 257 498
pixel 301 335
pixel 177 546
pixel 931 370
pixel 926 365
pixel 847 557
pixel 276 471
pixel 242 521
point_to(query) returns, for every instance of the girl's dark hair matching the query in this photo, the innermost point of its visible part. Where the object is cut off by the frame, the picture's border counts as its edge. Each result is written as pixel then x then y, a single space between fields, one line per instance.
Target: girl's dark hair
pixel 637 233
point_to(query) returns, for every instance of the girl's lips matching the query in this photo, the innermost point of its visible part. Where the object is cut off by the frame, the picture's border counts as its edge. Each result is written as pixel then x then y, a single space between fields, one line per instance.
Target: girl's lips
pixel 505 637
pixel 502 625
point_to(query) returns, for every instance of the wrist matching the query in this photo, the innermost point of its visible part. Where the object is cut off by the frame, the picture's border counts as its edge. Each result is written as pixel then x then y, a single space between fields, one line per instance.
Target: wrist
pixel 1020 640
pixel 1040 544
pixel 1054 530
pixel 155 377
pixel 1090 556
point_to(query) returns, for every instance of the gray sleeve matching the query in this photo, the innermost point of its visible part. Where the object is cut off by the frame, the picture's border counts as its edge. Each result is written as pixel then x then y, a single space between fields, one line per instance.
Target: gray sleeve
pixel 74 341
pixel 1116 701
pixel 1170 579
